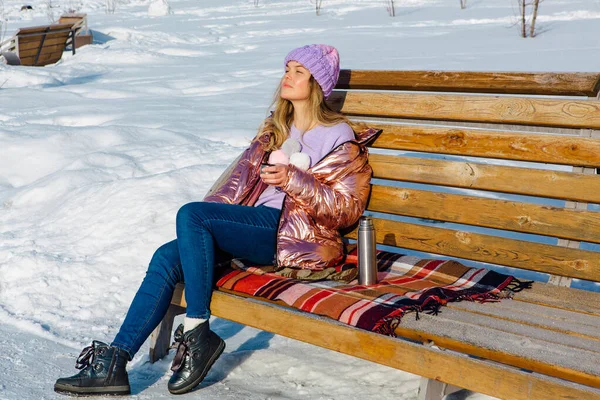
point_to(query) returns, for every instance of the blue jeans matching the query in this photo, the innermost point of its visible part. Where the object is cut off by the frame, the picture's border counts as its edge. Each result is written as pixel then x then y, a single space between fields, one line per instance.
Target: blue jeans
pixel 204 231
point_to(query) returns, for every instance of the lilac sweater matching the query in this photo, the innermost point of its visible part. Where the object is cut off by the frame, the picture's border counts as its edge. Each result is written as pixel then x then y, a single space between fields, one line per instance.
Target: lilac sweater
pixel 317 143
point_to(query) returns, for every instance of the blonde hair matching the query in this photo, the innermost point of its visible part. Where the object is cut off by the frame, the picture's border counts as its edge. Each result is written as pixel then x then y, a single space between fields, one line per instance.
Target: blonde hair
pixel 282 118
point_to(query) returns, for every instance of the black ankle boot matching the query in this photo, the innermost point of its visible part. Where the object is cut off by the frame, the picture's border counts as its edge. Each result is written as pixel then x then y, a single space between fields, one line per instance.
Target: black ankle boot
pixel 197 350
pixel 102 372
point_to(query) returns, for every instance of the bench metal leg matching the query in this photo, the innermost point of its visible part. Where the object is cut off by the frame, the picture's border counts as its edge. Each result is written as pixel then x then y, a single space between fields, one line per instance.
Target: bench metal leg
pixel 37 56
pixel 430 389
pixel 73 41
pixel 160 340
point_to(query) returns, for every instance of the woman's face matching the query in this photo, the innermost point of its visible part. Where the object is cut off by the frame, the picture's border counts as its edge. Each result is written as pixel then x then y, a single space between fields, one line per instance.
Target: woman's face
pixel 295 84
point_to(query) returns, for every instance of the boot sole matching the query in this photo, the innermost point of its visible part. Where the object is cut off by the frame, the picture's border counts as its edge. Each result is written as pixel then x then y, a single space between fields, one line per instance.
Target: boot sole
pixel 91 391
pixel 197 381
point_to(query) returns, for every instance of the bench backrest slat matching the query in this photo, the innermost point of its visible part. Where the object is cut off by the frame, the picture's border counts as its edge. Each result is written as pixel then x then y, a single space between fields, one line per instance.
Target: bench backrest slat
pixel 495 178
pixel 552 148
pixel 78 20
pixel 472 108
pixel 57 48
pixel 540 257
pixel 490 213
pixel 507 211
pixel 541 83
pixel 51 40
pixel 43 28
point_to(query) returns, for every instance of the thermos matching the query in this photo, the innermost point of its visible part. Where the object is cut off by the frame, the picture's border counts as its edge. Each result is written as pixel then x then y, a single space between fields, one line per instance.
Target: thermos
pixel 367 252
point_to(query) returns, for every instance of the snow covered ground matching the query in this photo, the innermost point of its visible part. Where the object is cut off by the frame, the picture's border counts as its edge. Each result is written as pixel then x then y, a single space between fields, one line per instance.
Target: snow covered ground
pixel 99 151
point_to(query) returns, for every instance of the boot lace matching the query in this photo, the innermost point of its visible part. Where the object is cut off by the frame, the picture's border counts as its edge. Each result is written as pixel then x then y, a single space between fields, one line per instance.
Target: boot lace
pixel 87 357
pixel 182 350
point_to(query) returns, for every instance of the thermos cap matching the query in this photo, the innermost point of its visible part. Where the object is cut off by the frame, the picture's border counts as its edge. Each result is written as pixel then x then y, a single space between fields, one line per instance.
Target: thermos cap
pixel 366 222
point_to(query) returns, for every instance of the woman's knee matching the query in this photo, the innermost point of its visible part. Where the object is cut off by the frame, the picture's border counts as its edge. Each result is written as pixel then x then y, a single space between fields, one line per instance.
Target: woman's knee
pixel 165 260
pixel 191 213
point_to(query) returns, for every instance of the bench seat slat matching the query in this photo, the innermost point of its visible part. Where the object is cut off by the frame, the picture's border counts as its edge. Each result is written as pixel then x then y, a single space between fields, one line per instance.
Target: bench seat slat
pixel 472 108
pixel 540 83
pixel 553 149
pixel 589 324
pixel 550 358
pixel 492 213
pixel 531 256
pixel 556 324
pixel 532 182
pixel 396 353
pixel 581 301
pixel 464 317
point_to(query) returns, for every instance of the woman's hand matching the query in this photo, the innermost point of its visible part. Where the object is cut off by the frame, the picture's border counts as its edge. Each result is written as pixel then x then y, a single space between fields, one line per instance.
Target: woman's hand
pixel 274 175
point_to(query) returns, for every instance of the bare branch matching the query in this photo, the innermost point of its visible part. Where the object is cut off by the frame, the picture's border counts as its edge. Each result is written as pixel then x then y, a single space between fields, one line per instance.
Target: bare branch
pixel 523 24
pixel 536 3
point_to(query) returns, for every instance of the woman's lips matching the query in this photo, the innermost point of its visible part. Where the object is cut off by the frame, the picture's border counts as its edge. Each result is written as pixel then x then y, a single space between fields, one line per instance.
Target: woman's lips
pixel 286 85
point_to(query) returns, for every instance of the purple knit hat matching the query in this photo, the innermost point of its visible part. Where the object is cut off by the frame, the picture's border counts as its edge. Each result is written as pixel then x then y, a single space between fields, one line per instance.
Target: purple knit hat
pixel 322 61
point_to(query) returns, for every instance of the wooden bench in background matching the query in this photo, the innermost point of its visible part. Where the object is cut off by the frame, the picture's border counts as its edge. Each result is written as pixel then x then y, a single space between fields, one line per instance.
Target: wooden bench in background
pixel 43 45
pixel 461 171
pixel 83 35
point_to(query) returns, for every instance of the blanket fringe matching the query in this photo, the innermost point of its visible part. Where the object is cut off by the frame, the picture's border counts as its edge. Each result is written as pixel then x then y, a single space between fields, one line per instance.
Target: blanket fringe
pixel 516 285
pixel 387 325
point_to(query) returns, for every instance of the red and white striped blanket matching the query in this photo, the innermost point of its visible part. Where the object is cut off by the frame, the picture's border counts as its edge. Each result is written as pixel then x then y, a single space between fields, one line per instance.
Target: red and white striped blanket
pixel 405 283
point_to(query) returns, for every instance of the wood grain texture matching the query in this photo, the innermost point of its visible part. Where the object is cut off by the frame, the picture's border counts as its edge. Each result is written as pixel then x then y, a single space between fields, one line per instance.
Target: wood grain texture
pixel 43 28
pixel 452 322
pixel 541 83
pixel 491 213
pixel 561 297
pixel 559 325
pixel 504 357
pixel 419 331
pixel 554 149
pixel 531 256
pixel 470 175
pixel 55 40
pixel 44 59
pixel 471 108
pixel 480 376
pixel 36 37
pixel 78 18
pixel 59 48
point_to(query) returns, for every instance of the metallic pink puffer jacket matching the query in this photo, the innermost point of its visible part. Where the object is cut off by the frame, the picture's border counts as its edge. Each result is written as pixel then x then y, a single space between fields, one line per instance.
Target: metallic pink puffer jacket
pixel 329 196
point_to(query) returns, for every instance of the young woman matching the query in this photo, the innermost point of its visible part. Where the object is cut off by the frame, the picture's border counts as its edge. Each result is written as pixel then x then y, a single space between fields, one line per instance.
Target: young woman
pixel 281 214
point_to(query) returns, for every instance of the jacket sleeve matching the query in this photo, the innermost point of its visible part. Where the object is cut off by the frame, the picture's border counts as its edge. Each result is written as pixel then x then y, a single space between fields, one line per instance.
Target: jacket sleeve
pixel 236 182
pixel 337 203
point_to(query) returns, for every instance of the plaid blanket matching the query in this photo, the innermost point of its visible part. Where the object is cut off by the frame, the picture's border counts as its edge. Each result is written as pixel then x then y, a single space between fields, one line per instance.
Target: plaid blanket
pixel 405 284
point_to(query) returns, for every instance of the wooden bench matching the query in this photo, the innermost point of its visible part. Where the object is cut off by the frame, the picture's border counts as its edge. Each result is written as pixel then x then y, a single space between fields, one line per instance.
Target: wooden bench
pixel 497 168
pixel 83 35
pixel 43 45
pixel 39 45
